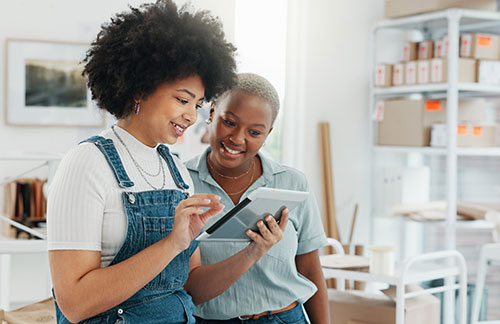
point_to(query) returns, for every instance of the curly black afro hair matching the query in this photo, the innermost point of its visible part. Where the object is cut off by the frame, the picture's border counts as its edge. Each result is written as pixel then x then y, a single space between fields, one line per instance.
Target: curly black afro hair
pixel 156 43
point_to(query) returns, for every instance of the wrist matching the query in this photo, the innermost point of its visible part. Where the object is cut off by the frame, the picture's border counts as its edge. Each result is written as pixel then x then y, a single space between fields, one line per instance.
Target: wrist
pixel 254 252
pixel 170 245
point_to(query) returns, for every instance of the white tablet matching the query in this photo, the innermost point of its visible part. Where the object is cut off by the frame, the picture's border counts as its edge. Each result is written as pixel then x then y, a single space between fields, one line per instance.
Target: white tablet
pixel 257 205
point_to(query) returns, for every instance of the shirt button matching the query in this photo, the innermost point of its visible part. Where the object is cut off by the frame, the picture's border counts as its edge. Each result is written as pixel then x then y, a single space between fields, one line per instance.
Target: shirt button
pixel 131 198
pixel 120 311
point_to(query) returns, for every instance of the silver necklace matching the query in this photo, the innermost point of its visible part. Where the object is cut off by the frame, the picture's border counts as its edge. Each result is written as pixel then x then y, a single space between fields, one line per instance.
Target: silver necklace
pixel 141 170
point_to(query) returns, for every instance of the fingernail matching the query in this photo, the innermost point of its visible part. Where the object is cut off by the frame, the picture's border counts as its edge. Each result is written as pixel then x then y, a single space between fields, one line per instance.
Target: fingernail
pixel 268 218
pixel 217 198
pixel 206 201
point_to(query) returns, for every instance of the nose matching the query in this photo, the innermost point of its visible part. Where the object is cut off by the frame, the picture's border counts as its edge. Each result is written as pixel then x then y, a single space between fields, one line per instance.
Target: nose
pixel 190 115
pixel 237 137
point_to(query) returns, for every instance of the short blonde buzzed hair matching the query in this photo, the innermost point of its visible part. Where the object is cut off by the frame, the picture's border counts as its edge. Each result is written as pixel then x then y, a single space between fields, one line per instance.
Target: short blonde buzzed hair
pixel 259 86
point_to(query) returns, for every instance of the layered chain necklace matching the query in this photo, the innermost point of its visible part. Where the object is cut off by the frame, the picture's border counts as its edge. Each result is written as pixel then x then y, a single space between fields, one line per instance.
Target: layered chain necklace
pixel 141 170
pixel 252 167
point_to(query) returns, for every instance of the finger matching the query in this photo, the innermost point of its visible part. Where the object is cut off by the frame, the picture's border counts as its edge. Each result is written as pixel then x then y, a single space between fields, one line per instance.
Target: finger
pixel 272 224
pixel 264 231
pixel 256 237
pixel 213 197
pixel 191 211
pixel 284 219
pixel 217 208
pixel 204 200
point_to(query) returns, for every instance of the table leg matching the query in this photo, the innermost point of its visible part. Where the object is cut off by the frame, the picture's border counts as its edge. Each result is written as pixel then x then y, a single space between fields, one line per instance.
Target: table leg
pixel 4 281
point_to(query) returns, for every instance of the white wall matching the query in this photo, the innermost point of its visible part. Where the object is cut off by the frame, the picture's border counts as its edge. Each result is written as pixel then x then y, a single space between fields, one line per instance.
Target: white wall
pixel 333 63
pixel 58 20
pixel 66 20
pixel 330 57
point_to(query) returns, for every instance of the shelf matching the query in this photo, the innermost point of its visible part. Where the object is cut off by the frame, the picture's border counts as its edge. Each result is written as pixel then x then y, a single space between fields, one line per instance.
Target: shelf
pixel 420 273
pixel 437 20
pixel 16 246
pixel 427 150
pixel 463 88
pixel 29 156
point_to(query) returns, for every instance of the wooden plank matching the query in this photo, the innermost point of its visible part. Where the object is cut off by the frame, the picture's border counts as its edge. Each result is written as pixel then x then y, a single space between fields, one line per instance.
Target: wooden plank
pixel 328 190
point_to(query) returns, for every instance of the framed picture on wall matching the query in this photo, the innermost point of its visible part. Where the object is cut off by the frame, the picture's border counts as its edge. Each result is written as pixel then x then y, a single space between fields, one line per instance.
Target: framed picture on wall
pixel 45 86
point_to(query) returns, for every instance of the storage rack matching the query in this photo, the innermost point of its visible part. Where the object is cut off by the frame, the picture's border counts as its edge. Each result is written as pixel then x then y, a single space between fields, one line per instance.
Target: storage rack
pixel 451 22
pixel 21 246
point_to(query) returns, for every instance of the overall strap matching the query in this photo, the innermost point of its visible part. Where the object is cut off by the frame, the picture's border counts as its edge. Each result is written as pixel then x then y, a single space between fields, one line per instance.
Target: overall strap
pixel 107 148
pixel 176 175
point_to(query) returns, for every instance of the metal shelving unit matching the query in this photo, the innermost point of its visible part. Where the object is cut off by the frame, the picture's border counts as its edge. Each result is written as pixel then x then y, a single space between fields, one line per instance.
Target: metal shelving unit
pixel 450 22
pixel 10 246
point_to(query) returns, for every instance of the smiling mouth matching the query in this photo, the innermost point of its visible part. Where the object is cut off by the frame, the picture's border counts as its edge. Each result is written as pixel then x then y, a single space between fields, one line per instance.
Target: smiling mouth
pixel 224 148
pixel 179 129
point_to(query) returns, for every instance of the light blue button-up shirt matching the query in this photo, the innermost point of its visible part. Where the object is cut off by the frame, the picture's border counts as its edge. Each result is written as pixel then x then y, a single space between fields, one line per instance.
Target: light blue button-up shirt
pixel 273 282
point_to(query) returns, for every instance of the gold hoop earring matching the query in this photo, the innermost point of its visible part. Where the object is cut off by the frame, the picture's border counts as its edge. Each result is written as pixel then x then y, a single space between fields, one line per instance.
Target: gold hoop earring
pixel 137 107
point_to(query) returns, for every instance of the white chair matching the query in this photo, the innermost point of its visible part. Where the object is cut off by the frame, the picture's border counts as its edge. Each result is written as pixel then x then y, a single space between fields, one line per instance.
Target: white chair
pixel 339 250
pixel 489 253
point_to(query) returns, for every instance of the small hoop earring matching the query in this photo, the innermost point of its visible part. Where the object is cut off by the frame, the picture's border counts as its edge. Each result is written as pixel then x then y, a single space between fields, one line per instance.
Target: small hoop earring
pixel 137 107
pixel 208 121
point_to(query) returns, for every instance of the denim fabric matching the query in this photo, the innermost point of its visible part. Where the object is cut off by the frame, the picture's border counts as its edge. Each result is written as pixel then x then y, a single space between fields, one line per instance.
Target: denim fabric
pixel 292 316
pixel 150 217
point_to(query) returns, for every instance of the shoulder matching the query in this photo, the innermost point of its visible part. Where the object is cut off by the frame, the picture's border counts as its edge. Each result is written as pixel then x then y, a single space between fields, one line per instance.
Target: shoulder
pixel 82 156
pixel 284 176
pixel 197 164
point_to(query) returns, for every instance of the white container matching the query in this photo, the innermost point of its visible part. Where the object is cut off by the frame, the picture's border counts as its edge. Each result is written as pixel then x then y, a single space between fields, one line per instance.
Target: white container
pixel 382 259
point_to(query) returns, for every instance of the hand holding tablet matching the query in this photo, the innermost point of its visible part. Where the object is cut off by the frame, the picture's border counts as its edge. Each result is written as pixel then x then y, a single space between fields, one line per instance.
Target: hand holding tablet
pixel 256 206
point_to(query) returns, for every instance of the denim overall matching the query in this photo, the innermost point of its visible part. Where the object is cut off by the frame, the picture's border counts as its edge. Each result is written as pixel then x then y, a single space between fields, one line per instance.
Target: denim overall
pixel 150 217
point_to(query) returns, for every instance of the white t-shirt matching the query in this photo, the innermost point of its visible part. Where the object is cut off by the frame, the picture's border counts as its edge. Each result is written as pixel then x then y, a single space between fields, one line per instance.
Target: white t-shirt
pixel 85 210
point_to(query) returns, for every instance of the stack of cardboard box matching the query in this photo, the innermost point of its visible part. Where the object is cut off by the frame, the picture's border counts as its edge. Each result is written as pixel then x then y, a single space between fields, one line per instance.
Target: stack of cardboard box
pixel 422 123
pixel 426 62
pixel 399 8
pixel 357 307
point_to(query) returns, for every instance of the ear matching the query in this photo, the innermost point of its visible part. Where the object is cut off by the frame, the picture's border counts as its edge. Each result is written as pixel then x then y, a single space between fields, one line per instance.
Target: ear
pixel 211 112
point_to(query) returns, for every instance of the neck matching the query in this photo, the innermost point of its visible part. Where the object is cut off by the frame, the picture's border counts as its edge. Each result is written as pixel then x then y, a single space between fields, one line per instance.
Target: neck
pixel 134 129
pixel 234 173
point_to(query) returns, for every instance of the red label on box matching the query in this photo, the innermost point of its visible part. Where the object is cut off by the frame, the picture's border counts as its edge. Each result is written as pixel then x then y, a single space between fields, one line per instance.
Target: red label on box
pixel 432 105
pixel 477 131
pixel 462 130
pixel 484 41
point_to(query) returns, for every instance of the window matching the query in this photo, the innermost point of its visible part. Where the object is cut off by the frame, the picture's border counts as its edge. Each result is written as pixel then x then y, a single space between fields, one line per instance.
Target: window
pixel 260 36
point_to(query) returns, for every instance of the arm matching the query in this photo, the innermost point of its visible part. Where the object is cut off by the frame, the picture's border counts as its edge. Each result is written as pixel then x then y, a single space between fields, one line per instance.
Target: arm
pixel 83 289
pixel 317 306
pixel 208 281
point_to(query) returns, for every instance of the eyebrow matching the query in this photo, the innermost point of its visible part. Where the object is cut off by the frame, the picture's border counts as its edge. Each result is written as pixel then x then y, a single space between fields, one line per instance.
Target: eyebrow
pixel 230 113
pixel 192 95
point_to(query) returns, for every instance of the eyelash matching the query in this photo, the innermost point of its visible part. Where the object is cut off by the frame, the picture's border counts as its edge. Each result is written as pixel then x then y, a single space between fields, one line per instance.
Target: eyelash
pixel 182 101
pixel 231 124
pixel 228 122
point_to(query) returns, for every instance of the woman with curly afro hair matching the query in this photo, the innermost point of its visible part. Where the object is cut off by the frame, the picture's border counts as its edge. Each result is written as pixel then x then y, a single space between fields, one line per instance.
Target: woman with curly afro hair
pixel 122 215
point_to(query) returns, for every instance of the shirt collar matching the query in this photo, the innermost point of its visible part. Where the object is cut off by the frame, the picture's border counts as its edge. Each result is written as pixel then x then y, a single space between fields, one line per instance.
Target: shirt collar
pixel 269 167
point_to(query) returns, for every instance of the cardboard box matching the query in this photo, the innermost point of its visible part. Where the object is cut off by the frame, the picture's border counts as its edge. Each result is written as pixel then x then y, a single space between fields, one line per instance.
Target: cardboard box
pixel 408 122
pixel 466 70
pixel 423 75
pixel 468 135
pixel 398 74
pixel 480 46
pixel 410 51
pixel 411 72
pixel 425 50
pixel 400 8
pixel 347 307
pixel 488 72
pixel 383 75
pixel 438 48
